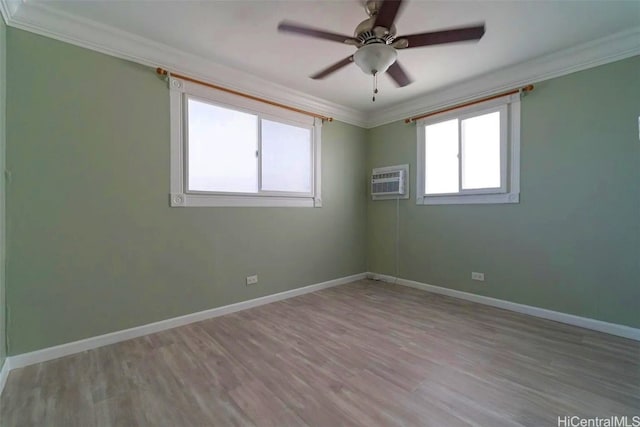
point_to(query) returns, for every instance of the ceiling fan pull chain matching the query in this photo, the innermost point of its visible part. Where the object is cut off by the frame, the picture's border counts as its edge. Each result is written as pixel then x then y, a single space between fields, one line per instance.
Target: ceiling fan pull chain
pixel 375 86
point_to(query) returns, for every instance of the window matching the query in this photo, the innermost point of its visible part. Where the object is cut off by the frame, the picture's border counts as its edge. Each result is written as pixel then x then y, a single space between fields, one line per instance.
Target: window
pixel 230 151
pixel 470 155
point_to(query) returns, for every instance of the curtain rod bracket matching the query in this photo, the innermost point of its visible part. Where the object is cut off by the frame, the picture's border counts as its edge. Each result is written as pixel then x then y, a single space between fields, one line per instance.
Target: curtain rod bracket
pixel 164 74
pixel 524 91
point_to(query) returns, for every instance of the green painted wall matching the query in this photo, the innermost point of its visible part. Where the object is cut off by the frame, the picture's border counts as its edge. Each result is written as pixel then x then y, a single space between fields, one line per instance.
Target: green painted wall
pixel 93 246
pixel 3 116
pixel 573 243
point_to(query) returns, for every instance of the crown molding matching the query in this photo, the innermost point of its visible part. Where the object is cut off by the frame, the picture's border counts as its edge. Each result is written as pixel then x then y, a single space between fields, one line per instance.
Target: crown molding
pixel 44 20
pixel 608 49
pixel 8 8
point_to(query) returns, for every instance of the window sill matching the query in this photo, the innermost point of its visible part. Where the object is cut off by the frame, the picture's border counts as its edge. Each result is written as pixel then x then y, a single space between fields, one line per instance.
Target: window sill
pixel 200 200
pixel 474 199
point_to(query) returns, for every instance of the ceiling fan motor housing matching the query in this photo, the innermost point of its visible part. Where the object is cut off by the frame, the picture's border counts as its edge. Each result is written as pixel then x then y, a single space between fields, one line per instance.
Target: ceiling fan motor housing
pixel 366 32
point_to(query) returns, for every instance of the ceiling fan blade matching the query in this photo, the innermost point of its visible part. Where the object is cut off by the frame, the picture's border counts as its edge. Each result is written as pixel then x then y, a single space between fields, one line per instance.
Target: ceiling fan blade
pixel 290 27
pixel 387 13
pixel 445 36
pixel 399 75
pixel 335 67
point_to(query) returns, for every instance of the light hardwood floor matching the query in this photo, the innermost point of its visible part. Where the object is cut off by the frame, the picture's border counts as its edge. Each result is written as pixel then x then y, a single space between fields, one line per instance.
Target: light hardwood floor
pixel 367 354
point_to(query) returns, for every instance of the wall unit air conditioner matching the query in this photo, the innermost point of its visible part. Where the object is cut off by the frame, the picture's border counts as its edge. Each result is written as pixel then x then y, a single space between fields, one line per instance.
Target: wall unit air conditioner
pixel 390 182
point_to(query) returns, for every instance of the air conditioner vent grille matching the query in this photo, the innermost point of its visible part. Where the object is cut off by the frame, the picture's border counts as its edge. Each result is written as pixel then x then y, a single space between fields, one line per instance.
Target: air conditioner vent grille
pixel 387 182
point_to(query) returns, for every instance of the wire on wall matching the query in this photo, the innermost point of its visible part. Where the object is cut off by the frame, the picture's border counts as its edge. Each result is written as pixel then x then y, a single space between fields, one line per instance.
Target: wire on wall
pixel 397 239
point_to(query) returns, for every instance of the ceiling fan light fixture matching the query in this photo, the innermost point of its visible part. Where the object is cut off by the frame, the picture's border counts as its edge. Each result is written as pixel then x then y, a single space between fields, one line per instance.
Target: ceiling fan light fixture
pixel 376 41
pixel 375 58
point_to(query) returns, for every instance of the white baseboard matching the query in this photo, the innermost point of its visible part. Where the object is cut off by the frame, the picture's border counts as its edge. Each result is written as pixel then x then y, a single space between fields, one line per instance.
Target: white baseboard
pixel 583 322
pixel 50 353
pixel 4 374
pixel 22 360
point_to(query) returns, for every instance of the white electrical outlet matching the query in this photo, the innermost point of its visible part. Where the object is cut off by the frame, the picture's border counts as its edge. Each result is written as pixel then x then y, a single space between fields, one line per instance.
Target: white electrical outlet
pixel 477 276
pixel 252 280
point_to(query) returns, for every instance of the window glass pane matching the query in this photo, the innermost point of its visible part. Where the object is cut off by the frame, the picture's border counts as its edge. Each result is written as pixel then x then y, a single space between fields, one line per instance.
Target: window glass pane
pixel 286 157
pixel 222 146
pixel 441 158
pixel 481 151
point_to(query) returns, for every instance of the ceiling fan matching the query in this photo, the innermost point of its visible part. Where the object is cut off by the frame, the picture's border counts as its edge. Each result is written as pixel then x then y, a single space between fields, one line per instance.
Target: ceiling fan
pixel 377 42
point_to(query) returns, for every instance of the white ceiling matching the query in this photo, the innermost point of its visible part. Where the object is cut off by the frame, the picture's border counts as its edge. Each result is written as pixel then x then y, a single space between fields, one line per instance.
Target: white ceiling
pixel 242 34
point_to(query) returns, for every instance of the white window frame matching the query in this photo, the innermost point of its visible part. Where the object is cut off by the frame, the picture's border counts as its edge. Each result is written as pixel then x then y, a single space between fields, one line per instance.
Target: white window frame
pixel 180 92
pixel 509 190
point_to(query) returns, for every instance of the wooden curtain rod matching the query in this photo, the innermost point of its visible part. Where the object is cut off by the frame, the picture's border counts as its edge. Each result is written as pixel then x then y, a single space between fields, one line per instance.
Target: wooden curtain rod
pixel 527 88
pixel 163 72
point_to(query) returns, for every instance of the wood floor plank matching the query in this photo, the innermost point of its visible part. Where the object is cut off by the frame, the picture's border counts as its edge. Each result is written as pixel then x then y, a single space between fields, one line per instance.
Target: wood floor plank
pixel 363 354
